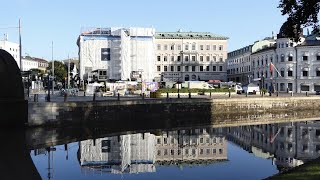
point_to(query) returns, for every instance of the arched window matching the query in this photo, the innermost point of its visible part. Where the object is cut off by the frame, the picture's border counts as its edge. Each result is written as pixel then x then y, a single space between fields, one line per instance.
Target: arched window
pixel 282 72
pixel 193 77
pixel 282 57
pixel 186 77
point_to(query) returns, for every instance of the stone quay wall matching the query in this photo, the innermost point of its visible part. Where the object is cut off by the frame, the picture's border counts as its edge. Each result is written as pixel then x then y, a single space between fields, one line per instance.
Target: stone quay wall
pixel 174 112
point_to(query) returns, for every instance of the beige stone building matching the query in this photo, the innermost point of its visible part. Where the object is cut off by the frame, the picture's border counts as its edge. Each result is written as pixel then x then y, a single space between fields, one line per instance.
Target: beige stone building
pixel 191 146
pixel 190 56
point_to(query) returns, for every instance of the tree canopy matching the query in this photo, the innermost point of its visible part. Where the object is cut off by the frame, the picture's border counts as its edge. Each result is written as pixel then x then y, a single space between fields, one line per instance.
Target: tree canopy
pixel 60 70
pixel 301 14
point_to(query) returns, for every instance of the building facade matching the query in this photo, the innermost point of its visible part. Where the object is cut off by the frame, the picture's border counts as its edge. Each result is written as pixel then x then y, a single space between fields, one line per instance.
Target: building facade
pixel 190 56
pixel 121 52
pixel 34 63
pixel 12 48
pixel 280 64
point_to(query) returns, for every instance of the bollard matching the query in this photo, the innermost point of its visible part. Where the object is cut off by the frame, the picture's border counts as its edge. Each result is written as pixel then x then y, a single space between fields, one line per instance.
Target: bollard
pixel 291 93
pixel 142 96
pixel 307 94
pixel 167 95
pixel 210 94
pixel 247 94
pixel 65 97
pixel 118 96
pixel 94 96
pixel 35 98
pixel 84 93
pixel 189 95
pixel 178 95
pixel 277 93
pixel 229 94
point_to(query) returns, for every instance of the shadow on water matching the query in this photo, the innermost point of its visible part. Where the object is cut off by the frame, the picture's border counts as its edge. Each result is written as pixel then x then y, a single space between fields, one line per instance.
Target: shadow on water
pixel 16 162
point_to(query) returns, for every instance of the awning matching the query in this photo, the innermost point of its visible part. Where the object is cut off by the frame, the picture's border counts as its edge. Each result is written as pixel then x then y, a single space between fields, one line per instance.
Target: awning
pixel 290 69
pixel 305 69
pixel 304 84
pixel 305 54
pixel 318 68
pixel 291 54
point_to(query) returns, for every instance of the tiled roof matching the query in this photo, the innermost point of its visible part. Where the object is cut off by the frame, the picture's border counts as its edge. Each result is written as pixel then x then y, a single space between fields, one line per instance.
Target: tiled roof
pixel 189 35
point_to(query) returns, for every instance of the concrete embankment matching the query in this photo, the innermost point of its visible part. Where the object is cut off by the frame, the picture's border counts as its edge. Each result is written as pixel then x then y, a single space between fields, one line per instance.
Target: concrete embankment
pixel 205 111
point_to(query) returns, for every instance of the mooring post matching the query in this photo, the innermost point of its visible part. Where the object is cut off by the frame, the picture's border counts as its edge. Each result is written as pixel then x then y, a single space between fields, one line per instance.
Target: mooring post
pixel 94 96
pixel 118 96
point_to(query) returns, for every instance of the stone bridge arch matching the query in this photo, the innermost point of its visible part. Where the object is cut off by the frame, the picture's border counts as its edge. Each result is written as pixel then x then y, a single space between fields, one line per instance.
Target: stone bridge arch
pixel 13 106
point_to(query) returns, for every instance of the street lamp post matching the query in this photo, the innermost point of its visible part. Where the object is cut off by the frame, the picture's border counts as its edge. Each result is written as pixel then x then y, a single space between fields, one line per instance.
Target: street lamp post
pixel 48 86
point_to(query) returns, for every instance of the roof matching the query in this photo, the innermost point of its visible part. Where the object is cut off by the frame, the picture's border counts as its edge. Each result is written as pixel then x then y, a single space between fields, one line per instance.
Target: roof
pixel 34 59
pixel 189 35
pixel 265 49
pixel 310 43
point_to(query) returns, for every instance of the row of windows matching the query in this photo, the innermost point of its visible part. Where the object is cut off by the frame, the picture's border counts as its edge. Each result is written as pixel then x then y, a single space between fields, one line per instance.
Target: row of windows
pixel 186 58
pixel 305 73
pixel 282 59
pixel 283 45
pixel 189 151
pixel 187 69
pixel 193 140
pixel 187 47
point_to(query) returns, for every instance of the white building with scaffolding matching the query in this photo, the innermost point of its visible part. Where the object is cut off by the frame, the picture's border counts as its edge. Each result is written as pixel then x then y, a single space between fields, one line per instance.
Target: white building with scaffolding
pixel 118 53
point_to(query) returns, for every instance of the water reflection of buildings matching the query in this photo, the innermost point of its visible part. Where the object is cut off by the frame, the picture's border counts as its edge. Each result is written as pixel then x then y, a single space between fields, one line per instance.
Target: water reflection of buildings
pixel 289 144
pixel 194 146
pixel 118 154
pixel 137 153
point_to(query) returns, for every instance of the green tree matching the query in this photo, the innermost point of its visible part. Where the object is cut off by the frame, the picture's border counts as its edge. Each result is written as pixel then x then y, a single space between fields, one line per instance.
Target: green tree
pixel 60 70
pixel 301 14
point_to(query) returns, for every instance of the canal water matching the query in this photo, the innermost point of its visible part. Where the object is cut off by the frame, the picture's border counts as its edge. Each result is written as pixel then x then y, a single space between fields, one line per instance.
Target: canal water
pixel 202 152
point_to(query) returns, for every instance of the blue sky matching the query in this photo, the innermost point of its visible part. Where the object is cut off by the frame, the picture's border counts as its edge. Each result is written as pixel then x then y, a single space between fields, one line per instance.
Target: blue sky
pixel 60 21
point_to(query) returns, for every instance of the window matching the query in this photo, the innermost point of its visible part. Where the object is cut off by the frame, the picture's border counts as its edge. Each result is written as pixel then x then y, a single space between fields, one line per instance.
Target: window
pixel 201 58
pixel 201 151
pixel 159 152
pixel 186 68
pixel 282 58
pixel 304 88
pixel 186 58
pixel 214 47
pixel 220 68
pixel 172 47
pixel 318 57
pixel 171 68
pixel 186 47
pixel 172 58
pixel 165 152
pixel 214 151
pixel 290 86
pixel 282 72
pixel 220 151
pixel 193 68
pixel 201 68
pixel 304 73
pixel 290 58
pixel 178 59
pixel 193 46
pixel 208 47
pixel 165 47
pixel 290 73
pixel 214 68
pixel 158 58
pixel 201 47
pixel 165 68
pixel 158 68
pixel 159 47
pixel 214 58
pixel 221 59
pixel 165 58
pixel 179 47
pixel 318 73
pixel 207 68
pixel 208 58
pixel 178 68
pixel 193 58
pixel 220 48
pixel 305 58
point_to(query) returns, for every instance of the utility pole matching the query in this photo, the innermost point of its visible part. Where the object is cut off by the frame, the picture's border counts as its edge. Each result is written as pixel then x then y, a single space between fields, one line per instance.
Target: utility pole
pixel 52 68
pixel 20 46
pixel 68 72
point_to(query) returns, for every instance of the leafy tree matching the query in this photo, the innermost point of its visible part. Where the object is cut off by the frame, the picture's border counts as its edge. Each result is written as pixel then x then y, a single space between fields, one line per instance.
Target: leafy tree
pixel 60 70
pixel 301 14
